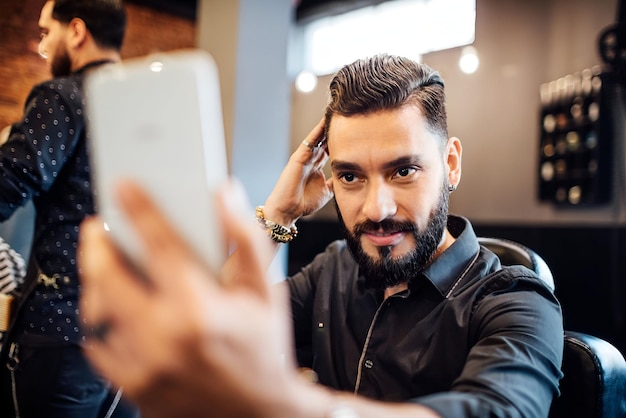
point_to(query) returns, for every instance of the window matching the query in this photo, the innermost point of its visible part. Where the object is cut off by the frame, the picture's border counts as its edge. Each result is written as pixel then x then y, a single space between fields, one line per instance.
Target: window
pixel 404 27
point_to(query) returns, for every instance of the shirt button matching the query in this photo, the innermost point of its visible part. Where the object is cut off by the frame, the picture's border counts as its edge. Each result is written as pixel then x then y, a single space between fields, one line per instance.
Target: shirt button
pixel 369 364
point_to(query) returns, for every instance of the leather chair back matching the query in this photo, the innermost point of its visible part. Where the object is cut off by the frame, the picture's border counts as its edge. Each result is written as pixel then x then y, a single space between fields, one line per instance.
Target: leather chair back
pixel 594 371
pixel 594 379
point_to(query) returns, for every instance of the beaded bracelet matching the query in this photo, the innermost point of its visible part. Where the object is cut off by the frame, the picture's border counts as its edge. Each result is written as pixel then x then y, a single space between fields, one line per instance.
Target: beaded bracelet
pixel 276 232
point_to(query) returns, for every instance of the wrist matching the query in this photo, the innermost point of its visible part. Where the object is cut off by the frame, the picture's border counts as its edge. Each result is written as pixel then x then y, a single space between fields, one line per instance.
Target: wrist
pixel 272 211
pixel 276 231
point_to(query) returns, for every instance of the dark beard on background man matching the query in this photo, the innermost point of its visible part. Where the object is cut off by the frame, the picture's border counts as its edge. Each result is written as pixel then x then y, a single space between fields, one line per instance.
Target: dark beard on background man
pixel 61 65
pixel 388 271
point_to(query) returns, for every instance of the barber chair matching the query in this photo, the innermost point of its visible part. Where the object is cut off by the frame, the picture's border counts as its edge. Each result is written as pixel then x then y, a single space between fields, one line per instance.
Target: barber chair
pixel 594 371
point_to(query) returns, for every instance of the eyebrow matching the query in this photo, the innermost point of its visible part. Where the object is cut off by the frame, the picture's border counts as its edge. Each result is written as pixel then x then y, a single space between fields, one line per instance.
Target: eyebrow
pixel 338 165
pixel 343 166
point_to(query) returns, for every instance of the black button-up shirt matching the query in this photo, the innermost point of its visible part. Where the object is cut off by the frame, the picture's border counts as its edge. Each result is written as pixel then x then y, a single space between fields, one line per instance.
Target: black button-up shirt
pixel 45 159
pixel 468 338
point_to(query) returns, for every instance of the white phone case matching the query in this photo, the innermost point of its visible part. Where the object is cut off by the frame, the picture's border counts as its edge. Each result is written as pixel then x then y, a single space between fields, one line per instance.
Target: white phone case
pixel 158 120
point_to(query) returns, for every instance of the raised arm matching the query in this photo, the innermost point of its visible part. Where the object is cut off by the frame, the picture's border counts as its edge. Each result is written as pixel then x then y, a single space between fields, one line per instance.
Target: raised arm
pixel 302 188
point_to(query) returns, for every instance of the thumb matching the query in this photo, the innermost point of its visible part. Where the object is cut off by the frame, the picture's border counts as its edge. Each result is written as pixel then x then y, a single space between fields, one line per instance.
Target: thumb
pixel 253 246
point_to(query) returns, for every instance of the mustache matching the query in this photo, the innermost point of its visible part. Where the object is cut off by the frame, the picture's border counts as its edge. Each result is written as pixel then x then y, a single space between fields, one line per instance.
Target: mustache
pixel 385 226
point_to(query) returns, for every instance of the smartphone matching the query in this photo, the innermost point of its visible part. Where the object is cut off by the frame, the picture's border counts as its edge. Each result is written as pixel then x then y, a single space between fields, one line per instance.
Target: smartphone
pixel 157 120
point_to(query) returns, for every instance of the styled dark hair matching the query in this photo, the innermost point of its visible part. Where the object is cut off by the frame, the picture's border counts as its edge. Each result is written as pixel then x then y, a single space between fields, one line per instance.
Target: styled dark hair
pixel 387 82
pixel 105 19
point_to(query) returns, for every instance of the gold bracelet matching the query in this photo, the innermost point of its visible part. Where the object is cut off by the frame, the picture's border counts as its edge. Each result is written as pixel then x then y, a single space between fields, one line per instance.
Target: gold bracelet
pixel 275 231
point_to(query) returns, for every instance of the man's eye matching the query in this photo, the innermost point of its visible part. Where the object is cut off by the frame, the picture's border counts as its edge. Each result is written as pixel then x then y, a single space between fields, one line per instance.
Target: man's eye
pixel 347 177
pixel 405 171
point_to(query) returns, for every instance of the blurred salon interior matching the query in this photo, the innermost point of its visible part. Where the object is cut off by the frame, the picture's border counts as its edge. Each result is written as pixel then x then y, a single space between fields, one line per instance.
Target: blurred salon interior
pixel 534 92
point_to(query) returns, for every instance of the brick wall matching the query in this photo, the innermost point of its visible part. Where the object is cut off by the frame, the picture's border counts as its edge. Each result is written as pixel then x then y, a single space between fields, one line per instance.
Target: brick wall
pixel 21 67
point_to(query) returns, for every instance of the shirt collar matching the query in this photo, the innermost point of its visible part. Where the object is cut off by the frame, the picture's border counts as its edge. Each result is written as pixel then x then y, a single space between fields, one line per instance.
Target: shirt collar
pixel 449 267
pixel 91 65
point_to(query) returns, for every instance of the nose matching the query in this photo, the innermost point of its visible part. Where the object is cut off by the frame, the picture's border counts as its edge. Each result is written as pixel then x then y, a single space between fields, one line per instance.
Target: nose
pixel 379 202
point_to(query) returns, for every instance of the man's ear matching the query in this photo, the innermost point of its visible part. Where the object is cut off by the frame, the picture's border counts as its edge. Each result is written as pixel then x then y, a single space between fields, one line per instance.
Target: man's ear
pixel 77 33
pixel 453 154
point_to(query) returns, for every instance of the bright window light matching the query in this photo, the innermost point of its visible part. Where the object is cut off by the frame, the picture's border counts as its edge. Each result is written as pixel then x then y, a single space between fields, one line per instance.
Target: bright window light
pixel 410 28
pixel 469 61
pixel 306 82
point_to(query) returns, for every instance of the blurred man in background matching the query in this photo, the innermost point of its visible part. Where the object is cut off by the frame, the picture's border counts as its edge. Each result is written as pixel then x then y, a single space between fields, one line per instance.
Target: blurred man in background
pixel 43 370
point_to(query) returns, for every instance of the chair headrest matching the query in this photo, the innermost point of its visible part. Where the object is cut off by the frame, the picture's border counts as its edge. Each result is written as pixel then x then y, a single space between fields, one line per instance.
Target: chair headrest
pixel 513 253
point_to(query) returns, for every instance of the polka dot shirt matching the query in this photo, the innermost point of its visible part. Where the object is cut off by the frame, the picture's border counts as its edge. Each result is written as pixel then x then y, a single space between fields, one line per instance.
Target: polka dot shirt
pixel 45 159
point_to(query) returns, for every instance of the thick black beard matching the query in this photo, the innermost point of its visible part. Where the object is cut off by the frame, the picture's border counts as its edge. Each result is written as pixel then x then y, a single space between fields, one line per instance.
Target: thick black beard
pixel 61 65
pixel 388 271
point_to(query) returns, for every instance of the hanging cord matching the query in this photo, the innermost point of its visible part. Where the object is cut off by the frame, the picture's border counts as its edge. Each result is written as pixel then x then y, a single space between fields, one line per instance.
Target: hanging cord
pixel 116 401
pixel 13 362
pixel 612 50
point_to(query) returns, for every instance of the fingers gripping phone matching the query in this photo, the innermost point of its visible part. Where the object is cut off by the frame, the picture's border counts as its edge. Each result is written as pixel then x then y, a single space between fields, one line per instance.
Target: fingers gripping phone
pixel 157 120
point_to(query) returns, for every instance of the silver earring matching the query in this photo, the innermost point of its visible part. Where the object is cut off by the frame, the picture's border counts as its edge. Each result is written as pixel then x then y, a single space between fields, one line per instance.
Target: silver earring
pixel 451 188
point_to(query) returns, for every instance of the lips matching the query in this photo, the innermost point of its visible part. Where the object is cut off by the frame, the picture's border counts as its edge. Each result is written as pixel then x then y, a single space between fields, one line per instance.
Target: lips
pixel 384 238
